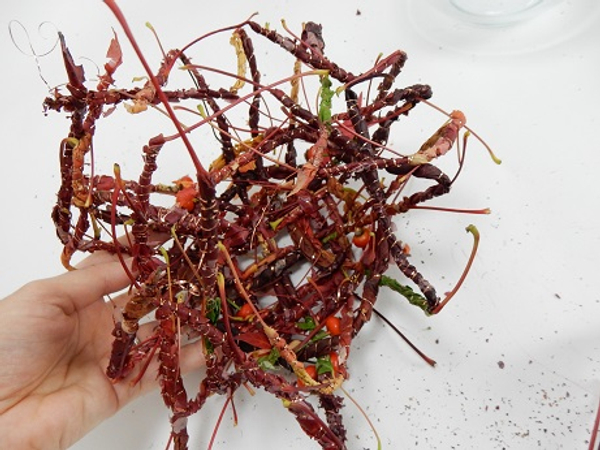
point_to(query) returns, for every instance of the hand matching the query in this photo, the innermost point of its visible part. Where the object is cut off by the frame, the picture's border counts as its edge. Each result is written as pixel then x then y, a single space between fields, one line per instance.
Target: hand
pixel 55 342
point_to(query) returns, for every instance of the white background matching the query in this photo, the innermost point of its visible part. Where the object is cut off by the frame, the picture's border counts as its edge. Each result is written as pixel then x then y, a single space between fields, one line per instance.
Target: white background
pixel 532 300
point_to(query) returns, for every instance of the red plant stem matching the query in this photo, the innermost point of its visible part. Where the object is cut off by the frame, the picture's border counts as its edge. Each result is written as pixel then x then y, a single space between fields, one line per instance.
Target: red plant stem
pixel 471 229
pixel 456 210
pixel 207 119
pixel 220 30
pixel 202 173
pixel 218 424
pixel 149 359
pixel 425 358
pixel 239 283
pixel 470 130
pixel 595 429
pixel 113 220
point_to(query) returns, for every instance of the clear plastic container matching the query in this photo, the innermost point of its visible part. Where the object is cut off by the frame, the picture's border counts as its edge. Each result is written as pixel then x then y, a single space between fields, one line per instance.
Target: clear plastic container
pixel 497 12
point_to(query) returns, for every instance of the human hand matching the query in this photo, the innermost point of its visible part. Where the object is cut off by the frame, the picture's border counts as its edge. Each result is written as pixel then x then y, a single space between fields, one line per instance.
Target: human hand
pixel 55 342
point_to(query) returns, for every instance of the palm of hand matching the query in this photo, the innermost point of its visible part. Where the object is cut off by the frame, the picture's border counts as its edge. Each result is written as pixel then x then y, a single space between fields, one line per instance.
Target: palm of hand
pixel 55 341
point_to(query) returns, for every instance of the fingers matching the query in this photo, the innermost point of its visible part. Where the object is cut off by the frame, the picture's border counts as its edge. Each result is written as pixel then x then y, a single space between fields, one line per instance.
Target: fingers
pixel 101 257
pixel 80 288
pixel 95 259
pixel 99 274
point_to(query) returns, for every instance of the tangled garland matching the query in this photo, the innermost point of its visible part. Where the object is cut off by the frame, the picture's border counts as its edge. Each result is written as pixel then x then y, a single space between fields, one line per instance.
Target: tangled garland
pixel 274 254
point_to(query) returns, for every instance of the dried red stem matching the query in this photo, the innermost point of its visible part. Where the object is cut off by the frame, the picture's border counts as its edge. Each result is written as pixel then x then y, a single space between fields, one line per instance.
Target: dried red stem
pixel 161 95
pixel 594 434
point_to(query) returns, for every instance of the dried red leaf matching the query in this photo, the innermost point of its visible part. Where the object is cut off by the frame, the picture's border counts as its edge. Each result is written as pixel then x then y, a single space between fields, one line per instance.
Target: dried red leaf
pixel 258 340
pixel 186 198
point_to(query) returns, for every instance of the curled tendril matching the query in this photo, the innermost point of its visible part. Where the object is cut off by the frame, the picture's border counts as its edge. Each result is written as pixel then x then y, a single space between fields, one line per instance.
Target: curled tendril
pixel 27 48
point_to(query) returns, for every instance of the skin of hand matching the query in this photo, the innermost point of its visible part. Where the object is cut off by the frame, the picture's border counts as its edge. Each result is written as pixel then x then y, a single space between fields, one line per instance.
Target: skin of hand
pixel 55 343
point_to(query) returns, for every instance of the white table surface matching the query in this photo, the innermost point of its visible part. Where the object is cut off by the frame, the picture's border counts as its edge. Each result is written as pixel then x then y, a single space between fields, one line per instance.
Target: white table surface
pixel 532 300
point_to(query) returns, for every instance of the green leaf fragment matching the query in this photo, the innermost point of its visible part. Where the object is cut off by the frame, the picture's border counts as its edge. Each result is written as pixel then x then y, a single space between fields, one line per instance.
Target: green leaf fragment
pixel 322 334
pixel 306 324
pixel 269 362
pixel 210 348
pixel 324 366
pixel 330 237
pixel 213 310
pixel 326 96
pixel 406 291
